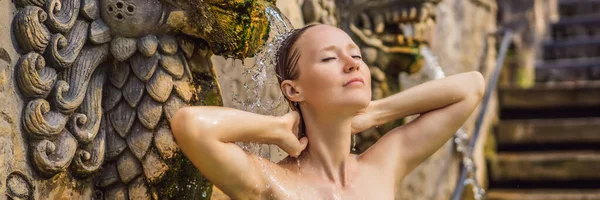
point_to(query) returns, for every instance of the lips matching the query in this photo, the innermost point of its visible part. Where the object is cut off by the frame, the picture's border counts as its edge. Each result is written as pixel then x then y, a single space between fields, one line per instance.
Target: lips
pixel 354 80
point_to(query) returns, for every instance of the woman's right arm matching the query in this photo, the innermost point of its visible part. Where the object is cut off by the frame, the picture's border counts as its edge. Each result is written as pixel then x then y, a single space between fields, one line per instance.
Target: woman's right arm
pixel 206 136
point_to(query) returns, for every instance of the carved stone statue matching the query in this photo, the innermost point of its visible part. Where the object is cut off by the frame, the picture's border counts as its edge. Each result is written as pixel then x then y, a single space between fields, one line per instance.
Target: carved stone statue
pixel 101 80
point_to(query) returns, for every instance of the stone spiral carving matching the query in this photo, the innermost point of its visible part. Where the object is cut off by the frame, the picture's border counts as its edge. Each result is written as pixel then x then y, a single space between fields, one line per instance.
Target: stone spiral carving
pixel 62 14
pixel 63 51
pixel 18 186
pixel 36 79
pixel 29 29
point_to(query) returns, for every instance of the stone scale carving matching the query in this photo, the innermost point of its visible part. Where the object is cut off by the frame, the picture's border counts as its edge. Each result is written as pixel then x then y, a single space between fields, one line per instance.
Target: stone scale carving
pixel 103 78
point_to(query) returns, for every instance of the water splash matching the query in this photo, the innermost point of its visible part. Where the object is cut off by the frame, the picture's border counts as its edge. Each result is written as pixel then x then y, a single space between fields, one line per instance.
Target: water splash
pixel 262 71
pixel 431 70
pixel 259 72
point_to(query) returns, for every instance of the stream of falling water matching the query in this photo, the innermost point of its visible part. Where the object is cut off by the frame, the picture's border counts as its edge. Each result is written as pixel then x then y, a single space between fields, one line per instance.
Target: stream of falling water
pixel 259 74
pixel 262 71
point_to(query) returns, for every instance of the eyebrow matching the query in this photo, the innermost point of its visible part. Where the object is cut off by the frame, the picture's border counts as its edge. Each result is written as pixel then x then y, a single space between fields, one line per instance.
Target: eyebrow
pixel 332 47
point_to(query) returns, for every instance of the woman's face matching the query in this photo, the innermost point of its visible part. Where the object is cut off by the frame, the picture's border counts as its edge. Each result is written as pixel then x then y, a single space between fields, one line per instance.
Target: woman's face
pixel 333 75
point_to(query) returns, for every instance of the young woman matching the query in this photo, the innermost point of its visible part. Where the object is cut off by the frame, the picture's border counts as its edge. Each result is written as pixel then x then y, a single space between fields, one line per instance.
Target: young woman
pixel 328 86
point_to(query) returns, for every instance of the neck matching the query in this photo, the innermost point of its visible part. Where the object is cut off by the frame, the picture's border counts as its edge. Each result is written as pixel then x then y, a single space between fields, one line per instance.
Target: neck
pixel 329 143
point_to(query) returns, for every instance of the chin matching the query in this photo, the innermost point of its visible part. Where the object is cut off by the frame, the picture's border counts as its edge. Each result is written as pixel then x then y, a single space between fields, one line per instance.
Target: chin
pixel 358 101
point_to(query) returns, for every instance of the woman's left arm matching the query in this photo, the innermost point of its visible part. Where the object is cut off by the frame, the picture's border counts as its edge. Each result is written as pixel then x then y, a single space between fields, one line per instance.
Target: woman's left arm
pixel 444 105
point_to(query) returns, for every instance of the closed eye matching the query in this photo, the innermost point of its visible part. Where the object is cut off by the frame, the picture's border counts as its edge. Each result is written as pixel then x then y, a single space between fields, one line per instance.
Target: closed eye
pixel 357 57
pixel 328 59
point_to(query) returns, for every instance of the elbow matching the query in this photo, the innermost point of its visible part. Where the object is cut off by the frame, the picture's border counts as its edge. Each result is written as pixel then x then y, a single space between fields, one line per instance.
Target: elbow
pixel 478 84
pixel 179 123
pixel 184 125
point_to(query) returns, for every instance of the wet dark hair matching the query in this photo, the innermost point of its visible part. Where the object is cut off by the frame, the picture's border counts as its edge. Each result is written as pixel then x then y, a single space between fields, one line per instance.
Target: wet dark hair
pixel 286 66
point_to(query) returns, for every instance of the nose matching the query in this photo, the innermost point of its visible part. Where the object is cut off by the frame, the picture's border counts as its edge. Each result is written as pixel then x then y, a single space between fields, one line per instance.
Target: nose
pixel 351 64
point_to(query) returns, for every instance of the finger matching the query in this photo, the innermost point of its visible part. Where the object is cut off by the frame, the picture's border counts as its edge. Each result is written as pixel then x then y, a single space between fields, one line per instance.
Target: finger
pixel 290 145
pixel 303 144
pixel 293 118
pixel 296 127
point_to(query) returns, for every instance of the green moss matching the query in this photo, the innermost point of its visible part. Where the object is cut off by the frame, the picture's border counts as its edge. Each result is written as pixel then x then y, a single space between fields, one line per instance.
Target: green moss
pixel 183 181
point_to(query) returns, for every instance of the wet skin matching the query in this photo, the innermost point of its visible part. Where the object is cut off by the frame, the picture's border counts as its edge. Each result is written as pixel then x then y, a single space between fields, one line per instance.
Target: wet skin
pixel 334 94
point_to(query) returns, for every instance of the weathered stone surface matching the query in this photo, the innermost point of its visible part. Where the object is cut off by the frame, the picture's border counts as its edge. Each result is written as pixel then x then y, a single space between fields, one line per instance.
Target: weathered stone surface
pixel 154 167
pixel 122 118
pixel 115 144
pixel 53 156
pixel 99 32
pixel 184 89
pixel 34 79
pixel 547 166
pixel 74 37
pixel 173 65
pixel 128 166
pixel 18 186
pixel 122 48
pixel 5 65
pixel 108 176
pixel 148 45
pixel 165 142
pixel 160 86
pixel 112 97
pixel 548 131
pixel 90 10
pixel 188 47
pixel 143 66
pixel 133 91
pixel 149 112
pixel 132 19
pixel 119 71
pixel 117 192
pixel 139 140
pixel 543 194
pixel 546 95
pixel 168 44
pixel 30 31
pixel 70 92
pixel 172 105
pixel 138 189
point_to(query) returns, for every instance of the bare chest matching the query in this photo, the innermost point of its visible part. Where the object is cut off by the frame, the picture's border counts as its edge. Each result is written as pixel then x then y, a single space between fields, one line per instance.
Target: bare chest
pixel 361 187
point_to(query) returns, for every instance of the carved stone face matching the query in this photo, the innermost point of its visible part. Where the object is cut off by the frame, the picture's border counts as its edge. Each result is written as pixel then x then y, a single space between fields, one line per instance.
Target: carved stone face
pixel 391 30
pixel 131 18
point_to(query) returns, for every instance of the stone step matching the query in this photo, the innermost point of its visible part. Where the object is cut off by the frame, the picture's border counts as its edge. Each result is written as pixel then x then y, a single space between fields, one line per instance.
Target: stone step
pixel 546 166
pixel 571 2
pixel 578 7
pixel 590 19
pixel 548 131
pixel 551 95
pixel 575 48
pixel 568 69
pixel 577 27
pixel 581 32
pixel 543 194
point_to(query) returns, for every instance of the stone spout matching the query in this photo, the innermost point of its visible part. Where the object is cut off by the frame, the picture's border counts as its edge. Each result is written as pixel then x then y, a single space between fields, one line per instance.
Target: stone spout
pixel 235 28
